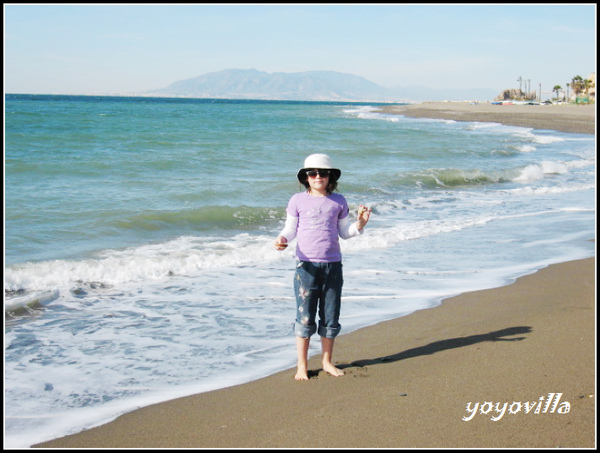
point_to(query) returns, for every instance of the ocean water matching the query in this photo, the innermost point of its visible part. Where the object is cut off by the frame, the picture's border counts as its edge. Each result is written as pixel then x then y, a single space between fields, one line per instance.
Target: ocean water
pixel 139 264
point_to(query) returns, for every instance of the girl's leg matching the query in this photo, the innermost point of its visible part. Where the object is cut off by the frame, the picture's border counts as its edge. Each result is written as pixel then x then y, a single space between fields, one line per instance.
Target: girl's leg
pixel 327 347
pixel 329 314
pixel 302 347
pixel 306 312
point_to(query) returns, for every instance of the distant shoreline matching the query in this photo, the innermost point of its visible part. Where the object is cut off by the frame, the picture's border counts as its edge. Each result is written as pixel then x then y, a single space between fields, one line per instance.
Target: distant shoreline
pixel 565 118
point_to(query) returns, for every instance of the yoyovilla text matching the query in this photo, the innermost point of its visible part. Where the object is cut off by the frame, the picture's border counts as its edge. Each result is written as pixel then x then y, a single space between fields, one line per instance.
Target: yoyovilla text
pixel 497 411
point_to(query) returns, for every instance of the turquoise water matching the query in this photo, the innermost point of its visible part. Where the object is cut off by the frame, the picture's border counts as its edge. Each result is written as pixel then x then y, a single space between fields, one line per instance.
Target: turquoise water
pixel 141 229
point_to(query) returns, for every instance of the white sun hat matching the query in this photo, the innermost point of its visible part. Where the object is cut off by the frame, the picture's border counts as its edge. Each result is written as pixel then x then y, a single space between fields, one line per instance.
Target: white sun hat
pixel 318 161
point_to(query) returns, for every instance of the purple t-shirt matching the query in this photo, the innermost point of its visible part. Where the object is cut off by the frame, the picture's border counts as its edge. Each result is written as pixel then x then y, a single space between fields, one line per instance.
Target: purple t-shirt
pixel 318 236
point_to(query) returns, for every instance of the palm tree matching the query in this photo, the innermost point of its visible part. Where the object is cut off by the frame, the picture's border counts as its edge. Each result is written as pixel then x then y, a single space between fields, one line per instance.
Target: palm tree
pixel 577 84
pixel 556 90
pixel 580 85
pixel 587 84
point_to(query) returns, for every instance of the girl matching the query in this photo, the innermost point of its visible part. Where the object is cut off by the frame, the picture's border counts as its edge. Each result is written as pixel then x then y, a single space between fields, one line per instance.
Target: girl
pixel 317 218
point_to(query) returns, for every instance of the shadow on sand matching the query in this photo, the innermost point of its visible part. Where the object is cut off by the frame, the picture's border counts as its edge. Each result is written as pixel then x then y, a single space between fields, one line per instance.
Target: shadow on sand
pixel 443 345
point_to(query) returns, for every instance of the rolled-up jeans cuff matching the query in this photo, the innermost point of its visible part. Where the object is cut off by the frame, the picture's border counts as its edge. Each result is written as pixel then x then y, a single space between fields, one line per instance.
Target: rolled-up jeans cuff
pixel 329 332
pixel 304 331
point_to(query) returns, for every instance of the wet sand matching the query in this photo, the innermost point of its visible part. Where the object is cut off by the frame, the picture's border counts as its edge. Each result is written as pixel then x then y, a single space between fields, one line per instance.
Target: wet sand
pixel 565 118
pixel 408 382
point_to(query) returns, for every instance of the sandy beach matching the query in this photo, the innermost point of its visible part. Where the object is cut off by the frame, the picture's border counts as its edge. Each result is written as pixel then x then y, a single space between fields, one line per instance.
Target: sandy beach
pixel 408 382
pixel 524 354
pixel 565 118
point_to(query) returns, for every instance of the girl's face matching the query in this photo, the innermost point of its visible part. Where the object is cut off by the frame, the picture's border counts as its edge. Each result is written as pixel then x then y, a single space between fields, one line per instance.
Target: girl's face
pixel 318 180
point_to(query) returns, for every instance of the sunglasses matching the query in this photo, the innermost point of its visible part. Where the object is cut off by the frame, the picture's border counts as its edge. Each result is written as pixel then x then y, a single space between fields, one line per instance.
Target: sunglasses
pixel 314 173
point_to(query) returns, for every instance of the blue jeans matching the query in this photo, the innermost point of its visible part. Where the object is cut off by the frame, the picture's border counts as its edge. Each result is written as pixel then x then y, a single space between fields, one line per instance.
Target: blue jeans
pixel 318 286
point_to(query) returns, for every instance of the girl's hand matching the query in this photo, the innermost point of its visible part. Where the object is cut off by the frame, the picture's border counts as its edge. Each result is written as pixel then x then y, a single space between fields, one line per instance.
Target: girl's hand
pixel 281 243
pixel 364 213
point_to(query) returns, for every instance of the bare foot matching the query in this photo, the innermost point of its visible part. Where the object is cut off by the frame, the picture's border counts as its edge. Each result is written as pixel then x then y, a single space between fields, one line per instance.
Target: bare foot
pixel 301 374
pixel 333 371
pixel 301 377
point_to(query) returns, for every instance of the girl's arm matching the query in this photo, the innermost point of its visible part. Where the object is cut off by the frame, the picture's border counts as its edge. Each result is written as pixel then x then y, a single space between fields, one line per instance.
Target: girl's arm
pixel 288 233
pixel 348 229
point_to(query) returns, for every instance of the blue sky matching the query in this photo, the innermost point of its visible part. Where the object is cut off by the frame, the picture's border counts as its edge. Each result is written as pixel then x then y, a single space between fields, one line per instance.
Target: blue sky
pixel 123 49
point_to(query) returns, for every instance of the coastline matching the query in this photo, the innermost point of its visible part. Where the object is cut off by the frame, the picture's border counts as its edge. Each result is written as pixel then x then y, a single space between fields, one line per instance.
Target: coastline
pixel 565 118
pixel 408 382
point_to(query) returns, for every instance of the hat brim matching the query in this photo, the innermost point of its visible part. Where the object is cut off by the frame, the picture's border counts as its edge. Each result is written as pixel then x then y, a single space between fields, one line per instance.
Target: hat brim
pixel 334 174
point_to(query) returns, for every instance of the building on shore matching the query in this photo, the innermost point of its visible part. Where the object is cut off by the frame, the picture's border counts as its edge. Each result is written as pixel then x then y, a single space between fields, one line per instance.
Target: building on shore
pixel 592 90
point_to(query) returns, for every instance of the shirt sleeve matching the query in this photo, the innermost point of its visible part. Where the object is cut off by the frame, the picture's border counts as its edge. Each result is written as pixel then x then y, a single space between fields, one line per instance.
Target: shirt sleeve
pixel 347 229
pixel 290 228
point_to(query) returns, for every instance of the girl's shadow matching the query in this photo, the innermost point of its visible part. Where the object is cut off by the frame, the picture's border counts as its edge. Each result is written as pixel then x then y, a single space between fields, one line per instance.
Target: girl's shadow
pixel 438 346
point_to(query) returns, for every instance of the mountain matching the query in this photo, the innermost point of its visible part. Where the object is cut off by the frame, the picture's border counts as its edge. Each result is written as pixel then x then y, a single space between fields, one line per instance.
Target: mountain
pixel 306 86
pixel 299 86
